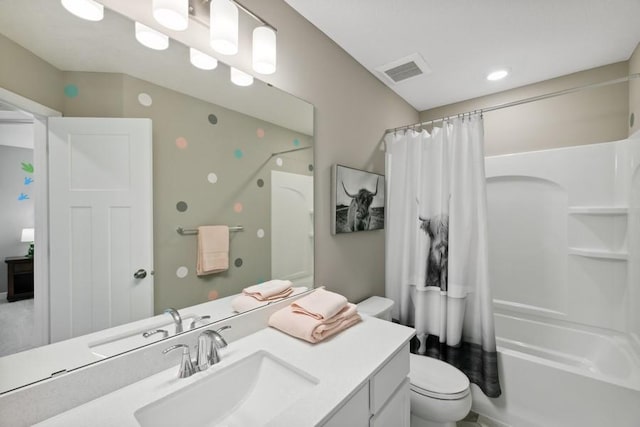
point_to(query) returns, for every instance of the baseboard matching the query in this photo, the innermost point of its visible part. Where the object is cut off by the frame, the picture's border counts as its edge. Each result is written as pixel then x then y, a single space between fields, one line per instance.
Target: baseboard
pixel 3 295
pixel 483 420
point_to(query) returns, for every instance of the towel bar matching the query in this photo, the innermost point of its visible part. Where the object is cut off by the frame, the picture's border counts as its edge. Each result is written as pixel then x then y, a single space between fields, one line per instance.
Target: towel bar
pixel 191 231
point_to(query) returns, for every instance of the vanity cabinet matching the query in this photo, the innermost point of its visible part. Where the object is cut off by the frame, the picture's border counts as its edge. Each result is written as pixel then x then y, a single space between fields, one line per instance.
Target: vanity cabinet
pixel 384 400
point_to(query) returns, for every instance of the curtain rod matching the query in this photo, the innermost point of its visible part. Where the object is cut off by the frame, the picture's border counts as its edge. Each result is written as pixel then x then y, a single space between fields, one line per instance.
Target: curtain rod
pixel 520 102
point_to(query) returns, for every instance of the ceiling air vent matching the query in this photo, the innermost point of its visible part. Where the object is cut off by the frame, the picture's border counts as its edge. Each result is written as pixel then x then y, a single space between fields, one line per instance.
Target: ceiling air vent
pixel 404 69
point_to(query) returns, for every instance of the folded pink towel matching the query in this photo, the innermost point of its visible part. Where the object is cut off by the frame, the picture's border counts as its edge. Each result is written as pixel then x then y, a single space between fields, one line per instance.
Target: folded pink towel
pixel 243 302
pixel 311 329
pixel 321 304
pixel 269 290
pixel 213 249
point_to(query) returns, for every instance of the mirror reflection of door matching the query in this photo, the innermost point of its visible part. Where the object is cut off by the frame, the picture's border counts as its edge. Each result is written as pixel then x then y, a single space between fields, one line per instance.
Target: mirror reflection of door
pixel 100 219
pixel 16 230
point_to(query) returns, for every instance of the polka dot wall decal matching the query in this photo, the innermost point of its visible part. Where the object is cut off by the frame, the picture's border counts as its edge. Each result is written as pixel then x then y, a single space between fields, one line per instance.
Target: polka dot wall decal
pixel 238 154
pixel 260 233
pixel 213 119
pixel 213 295
pixel 238 262
pixel 238 207
pixel 260 133
pixel 71 91
pixel 182 272
pixel 279 161
pixel 260 183
pixel 212 178
pixel 296 142
pixel 181 206
pixel 181 143
pixel 145 99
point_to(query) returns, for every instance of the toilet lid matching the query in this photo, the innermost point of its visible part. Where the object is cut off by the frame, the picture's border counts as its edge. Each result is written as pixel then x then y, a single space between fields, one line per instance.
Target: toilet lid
pixel 435 378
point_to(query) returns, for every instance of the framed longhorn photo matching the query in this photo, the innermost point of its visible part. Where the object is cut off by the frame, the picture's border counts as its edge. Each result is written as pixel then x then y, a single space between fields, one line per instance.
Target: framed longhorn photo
pixel 357 200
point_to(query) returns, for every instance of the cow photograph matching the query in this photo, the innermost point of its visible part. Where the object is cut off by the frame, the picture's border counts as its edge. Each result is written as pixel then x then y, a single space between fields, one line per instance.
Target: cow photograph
pixel 357 200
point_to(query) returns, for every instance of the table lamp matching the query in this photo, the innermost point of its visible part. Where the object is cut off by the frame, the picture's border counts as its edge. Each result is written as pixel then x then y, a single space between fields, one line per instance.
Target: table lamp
pixel 27 237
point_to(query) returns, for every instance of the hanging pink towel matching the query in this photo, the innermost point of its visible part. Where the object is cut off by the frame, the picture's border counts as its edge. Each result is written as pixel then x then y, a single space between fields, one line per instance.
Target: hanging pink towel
pixel 311 329
pixel 213 249
pixel 269 290
pixel 321 304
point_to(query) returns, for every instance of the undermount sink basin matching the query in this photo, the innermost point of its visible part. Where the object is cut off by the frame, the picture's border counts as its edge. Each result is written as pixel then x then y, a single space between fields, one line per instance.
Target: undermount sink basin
pixel 129 340
pixel 249 392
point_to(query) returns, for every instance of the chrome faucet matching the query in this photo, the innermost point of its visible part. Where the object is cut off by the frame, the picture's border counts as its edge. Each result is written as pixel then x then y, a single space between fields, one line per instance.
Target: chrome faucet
pixel 186 365
pixel 198 319
pixel 209 342
pixel 176 318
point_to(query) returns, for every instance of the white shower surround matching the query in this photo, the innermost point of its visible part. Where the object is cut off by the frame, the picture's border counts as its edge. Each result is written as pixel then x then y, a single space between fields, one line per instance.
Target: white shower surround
pixel 564 232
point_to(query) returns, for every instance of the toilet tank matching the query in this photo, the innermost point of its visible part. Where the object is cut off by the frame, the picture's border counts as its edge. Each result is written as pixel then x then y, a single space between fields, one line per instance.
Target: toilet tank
pixel 375 306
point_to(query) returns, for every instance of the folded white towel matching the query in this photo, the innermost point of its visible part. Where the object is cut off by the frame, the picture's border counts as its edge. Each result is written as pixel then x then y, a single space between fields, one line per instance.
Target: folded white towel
pixel 269 290
pixel 320 304
pixel 311 329
pixel 213 249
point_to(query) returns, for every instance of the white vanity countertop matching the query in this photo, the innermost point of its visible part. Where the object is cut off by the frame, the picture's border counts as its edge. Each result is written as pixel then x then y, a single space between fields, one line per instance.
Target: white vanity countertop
pixel 75 352
pixel 341 364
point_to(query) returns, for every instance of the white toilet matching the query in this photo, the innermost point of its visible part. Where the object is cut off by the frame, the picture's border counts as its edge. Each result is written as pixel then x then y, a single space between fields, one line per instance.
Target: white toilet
pixel 440 393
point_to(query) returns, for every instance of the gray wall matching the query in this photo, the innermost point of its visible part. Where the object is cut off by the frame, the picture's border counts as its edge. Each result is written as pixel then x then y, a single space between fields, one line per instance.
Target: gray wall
pixel 586 117
pixel 634 92
pixel 15 214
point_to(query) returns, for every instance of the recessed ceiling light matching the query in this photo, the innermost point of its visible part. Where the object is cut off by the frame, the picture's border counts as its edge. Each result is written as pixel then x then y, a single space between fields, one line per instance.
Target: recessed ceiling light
pixel 497 75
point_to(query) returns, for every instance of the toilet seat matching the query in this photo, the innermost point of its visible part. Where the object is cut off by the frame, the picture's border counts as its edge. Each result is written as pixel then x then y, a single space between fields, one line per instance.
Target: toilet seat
pixel 437 379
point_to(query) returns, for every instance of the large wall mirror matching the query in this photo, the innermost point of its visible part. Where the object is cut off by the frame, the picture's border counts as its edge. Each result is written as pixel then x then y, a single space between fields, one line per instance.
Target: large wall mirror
pixel 221 155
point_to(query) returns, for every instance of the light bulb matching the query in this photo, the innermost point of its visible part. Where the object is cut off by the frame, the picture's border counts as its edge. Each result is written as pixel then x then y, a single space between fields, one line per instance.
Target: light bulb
pixel 224 27
pixel 151 38
pixel 497 75
pixel 85 9
pixel 241 78
pixel 173 14
pixel 202 60
pixel 264 50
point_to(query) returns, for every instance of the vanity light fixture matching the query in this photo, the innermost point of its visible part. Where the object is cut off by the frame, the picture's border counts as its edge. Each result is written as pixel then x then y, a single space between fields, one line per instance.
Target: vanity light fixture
pixel 202 60
pixel 151 38
pixel 173 14
pixel 264 50
pixel 497 75
pixel 240 78
pixel 223 26
pixel 85 9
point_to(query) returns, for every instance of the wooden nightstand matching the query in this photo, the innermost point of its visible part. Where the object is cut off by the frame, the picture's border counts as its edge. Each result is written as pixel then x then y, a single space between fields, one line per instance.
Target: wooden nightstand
pixel 19 277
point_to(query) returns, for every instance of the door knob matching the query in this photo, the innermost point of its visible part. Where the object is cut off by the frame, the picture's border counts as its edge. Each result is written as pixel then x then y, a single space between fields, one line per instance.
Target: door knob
pixel 140 274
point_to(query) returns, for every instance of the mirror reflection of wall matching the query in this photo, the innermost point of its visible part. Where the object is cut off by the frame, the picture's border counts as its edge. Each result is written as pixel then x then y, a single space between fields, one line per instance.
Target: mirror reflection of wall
pixel 16 215
pixel 215 145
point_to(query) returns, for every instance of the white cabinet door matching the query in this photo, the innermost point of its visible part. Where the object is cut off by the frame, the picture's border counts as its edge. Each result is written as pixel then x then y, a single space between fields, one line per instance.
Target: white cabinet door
pixel 100 222
pixel 396 411
pixel 354 413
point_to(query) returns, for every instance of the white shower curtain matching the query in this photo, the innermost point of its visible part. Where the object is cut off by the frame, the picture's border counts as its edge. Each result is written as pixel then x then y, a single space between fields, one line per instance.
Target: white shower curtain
pixel 436 245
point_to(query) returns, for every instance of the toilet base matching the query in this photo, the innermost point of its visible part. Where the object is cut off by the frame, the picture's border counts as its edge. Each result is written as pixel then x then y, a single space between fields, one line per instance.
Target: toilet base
pixel 419 422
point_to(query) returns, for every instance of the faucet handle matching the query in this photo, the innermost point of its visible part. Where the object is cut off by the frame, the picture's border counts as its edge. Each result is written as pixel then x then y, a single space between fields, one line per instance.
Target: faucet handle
pixel 198 319
pixel 186 365
pixel 209 342
pixel 164 333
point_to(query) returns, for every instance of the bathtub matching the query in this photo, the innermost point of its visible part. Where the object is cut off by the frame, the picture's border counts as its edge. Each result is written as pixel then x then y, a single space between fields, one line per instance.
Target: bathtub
pixel 562 375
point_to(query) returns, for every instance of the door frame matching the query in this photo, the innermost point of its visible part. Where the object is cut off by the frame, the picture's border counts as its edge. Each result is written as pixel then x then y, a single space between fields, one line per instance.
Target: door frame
pixel 41 114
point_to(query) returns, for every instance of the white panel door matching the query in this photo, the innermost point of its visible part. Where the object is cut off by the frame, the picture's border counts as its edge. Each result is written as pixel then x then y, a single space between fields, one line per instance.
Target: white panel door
pixel 292 227
pixel 100 222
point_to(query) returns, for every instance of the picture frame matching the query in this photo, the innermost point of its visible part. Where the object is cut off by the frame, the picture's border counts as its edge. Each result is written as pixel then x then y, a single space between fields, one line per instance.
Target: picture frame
pixel 357 200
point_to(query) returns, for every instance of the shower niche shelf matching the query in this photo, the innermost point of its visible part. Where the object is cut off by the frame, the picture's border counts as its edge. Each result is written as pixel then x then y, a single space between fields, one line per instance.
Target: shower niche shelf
pixel 598 210
pixel 592 253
